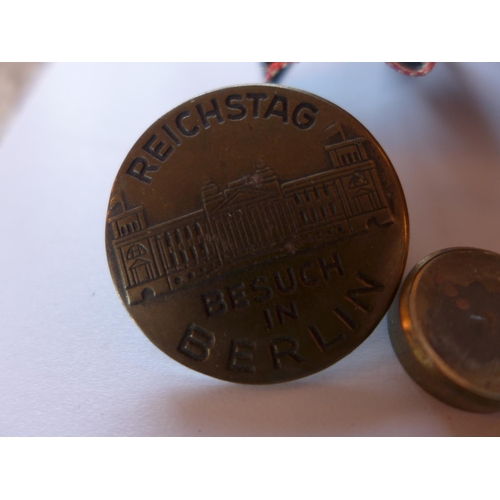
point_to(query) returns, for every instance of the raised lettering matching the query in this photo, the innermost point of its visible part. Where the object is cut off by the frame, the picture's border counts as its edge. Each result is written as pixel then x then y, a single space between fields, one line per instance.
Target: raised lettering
pixel 257 287
pixel 268 318
pixel 158 151
pixel 139 169
pixel 274 110
pixel 305 278
pixel 231 104
pixel 238 297
pixel 241 356
pixel 320 340
pixel 292 285
pixel 214 303
pixel 291 312
pixel 282 347
pixel 215 112
pixel 256 98
pixel 183 130
pixel 298 118
pixel 327 267
pixel 197 342
pixel 353 293
pixel 171 134
pixel 345 318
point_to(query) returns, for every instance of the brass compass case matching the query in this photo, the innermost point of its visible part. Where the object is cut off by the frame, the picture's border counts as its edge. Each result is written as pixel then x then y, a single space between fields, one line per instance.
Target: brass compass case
pixel 257 234
pixel 445 327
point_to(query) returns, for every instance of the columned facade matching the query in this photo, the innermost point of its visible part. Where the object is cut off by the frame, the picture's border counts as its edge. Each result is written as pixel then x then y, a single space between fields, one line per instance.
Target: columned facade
pixel 253 218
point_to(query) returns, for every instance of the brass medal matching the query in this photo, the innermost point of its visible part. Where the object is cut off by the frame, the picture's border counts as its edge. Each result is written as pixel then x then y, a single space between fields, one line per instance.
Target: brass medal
pixel 257 234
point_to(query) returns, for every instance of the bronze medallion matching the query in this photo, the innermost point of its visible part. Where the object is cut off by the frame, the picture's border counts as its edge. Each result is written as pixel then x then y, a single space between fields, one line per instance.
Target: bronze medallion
pixel 257 234
pixel 445 327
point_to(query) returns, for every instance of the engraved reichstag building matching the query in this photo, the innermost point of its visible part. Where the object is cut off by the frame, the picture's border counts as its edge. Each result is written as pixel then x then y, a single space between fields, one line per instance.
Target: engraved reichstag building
pixel 254 218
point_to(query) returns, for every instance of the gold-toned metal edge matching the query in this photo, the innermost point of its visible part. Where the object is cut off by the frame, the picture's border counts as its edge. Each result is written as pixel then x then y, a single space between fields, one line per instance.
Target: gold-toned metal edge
pixel 421 362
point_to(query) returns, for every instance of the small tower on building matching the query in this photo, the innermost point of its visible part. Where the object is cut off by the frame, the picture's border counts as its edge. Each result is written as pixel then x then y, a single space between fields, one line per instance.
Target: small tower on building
pixel 125 222
pixel 344 152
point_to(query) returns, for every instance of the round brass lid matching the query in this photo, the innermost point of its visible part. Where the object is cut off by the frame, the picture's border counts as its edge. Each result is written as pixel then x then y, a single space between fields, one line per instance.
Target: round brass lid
pixel 445 327
pixel 257 234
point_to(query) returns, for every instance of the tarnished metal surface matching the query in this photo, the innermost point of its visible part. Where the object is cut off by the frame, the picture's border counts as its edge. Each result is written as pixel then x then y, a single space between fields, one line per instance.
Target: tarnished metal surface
pixel 445 327
pixel 257 234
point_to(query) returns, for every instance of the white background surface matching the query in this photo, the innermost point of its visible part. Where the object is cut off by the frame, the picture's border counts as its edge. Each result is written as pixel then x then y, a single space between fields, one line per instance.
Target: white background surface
pixel 72 362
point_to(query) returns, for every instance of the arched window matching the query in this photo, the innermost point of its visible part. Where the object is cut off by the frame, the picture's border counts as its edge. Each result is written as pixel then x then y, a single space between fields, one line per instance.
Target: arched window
pixel 136 251
pixel 357 180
